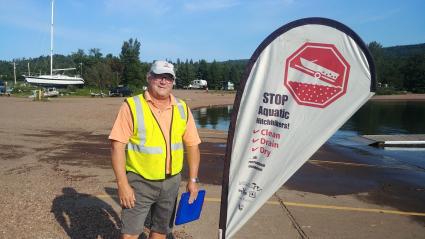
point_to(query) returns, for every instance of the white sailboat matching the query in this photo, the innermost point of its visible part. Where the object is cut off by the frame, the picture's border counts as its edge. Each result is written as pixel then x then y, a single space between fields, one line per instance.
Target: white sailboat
pixel 57 78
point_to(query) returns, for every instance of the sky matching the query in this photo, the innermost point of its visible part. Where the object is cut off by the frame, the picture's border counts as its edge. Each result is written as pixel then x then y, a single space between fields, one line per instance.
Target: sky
pixel 191 29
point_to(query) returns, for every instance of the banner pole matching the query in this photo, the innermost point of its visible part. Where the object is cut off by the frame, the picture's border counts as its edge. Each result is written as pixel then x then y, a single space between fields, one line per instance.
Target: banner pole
pixel 229 147
pixel 225 180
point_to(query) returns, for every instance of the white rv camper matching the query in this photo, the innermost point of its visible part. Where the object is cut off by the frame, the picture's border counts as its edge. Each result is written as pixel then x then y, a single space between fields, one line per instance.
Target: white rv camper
pixel 198 84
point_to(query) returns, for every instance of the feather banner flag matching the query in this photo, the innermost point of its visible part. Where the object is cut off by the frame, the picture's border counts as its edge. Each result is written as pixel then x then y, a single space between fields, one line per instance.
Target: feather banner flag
pixel 301 85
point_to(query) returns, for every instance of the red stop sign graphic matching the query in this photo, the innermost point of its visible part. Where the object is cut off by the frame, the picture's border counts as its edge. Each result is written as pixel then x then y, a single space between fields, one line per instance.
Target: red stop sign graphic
pixel 316 74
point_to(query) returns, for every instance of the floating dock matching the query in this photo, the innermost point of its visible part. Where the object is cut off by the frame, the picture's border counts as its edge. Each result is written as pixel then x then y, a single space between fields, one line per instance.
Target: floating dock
pixel 403 140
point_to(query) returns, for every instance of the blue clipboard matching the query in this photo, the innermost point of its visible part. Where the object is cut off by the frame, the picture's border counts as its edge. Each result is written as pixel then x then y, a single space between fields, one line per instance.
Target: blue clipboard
pixel 189 212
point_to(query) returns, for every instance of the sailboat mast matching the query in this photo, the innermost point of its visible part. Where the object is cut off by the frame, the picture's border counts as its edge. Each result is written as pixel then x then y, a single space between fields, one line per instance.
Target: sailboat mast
pixel 51 43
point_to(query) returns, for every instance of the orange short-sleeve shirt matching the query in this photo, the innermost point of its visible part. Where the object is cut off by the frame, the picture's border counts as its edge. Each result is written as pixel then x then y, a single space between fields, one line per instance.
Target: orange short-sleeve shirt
pixel 123 126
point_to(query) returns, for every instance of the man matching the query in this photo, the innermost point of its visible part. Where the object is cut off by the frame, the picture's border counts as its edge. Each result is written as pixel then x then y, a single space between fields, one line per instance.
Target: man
pixel 147 153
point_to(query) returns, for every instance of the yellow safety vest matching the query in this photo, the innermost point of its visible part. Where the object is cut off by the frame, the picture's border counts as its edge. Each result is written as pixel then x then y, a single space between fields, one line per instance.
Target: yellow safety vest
pixel 146 150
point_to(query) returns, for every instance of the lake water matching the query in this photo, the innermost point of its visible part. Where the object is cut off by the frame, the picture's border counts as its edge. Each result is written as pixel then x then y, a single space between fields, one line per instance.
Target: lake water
pixel 375 117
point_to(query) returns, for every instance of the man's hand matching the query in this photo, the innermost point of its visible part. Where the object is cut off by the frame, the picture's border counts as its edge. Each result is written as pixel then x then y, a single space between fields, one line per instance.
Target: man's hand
pixel 125 191
pixel 193 158
pixel 126 195
pixel 192 187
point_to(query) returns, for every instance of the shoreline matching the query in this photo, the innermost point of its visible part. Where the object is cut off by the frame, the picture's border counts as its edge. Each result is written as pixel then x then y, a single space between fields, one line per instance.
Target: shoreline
pixel 227 97
pixel 404 97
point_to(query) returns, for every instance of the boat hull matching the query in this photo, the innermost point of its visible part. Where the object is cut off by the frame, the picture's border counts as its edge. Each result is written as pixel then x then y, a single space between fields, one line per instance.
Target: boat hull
pixel 54 80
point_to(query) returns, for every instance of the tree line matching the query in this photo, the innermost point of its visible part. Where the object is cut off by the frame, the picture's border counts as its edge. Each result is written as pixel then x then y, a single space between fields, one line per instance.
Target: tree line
pixel 400 68
pixel 106 71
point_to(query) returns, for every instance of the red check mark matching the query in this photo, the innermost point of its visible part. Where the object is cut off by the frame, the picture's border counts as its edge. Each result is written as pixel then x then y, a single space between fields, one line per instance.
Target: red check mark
pixel 253 149
pixel 255 140
pixel 255 131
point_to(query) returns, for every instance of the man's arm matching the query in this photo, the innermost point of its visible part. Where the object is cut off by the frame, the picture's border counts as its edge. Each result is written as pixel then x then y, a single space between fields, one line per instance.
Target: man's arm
pixel 193 159
pixel 125 191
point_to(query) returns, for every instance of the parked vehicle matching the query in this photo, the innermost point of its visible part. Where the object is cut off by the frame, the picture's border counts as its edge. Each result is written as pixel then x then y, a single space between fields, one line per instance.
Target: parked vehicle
pixel 229 86
pixel 97 94
pixel 2 87
pixel 198 84
pixel 50 92
pixel 4 90
pixel 120 91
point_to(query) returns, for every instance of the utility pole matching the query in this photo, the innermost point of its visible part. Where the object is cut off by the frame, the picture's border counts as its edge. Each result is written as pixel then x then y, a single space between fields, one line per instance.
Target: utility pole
pixel 14 71
pixel 29 72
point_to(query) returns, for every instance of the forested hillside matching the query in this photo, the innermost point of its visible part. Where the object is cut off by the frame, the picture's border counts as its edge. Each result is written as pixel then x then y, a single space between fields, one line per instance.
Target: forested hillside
pixel 400 67
pixel 403 51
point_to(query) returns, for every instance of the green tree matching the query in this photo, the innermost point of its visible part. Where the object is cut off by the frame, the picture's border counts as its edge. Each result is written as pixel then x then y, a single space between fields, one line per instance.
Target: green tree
pixel 185 73
pixel 80 59
pixel 100 75
pixel 116 67
pixel 181 75
pixel 6 71
pixel 377 52
pixel 234 75
pixel 414 73
pixel 202 70
pixel 391 73
pixel 94 57
pixel 190 71
pixel 214 76
pixel 95 52
pixel 225 75
pixel 132 71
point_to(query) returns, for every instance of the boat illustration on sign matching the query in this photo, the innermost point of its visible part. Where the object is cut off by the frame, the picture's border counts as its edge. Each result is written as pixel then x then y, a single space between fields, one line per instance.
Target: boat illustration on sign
pixel 318 71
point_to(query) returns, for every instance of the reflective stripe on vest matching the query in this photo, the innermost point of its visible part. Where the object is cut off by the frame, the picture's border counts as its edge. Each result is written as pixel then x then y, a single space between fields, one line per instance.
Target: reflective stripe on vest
pixel 176 146
pixel 141 131
pixel 142 149
pixel 146 150
pixel 181 108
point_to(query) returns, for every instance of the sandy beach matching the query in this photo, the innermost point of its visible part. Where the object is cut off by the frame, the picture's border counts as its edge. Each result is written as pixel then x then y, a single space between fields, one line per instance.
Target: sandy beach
pixel 56 151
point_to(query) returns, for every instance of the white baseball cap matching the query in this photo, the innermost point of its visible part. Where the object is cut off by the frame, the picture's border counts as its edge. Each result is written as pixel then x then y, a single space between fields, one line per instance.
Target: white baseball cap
pixel 163 67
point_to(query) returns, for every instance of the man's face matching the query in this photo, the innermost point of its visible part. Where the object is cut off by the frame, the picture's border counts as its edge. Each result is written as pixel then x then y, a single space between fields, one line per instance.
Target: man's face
pixel 160 85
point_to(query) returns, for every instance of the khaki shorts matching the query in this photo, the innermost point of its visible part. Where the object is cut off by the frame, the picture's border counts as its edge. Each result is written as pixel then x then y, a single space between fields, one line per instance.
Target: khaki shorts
pixel 159 196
